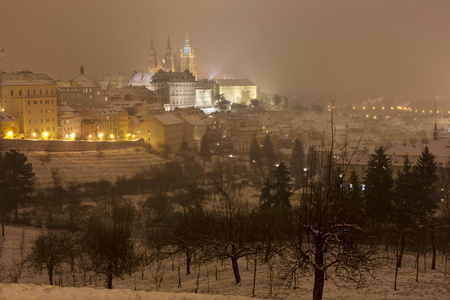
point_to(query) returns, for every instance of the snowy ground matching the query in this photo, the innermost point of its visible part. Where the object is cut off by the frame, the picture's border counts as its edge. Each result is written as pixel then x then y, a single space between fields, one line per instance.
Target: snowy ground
pixel 31 285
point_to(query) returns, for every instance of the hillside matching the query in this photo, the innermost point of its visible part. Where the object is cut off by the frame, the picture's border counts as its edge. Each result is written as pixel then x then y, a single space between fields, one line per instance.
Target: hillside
pixel 85 166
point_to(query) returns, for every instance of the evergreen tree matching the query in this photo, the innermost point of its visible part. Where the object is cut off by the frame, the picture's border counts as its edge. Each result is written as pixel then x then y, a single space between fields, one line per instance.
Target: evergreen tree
pixel 268 152
pixel 255 152
pixel 297 163
pixel 16 181
pixel 205 146
pixel 405 193
pixel 378 188
pixel 425 172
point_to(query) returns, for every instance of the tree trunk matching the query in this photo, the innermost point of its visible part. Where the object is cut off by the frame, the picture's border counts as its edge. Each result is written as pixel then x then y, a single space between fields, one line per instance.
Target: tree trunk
pixel 319 274
pixel 237 275
pixel 188 262
pixel 402 250
pixel 50 275
pixel 109 281
pixel 433 247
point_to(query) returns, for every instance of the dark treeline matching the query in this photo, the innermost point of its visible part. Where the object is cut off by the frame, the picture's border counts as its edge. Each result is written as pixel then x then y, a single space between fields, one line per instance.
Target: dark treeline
pixel 312 216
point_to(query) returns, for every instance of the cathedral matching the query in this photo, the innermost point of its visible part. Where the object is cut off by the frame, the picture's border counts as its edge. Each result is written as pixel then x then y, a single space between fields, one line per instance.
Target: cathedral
pixel 170 63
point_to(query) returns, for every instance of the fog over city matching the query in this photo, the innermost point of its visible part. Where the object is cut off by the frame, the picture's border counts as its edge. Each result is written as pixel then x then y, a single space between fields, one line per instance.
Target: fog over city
pixel 311 49
pixel 224 149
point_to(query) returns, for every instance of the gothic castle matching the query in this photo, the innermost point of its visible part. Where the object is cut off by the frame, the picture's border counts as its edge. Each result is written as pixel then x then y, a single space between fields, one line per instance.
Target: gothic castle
pixel 170 63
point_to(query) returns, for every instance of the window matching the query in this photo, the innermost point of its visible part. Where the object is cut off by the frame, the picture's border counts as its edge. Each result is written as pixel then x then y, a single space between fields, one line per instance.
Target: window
pixel 41 101
pixel 47 101
pixel 47 120
pixel 40 92
pixel 34 92
pixel 12 93
pixel 46 92
pixel 28 93
pixel 20 93
pixel 34 101
pixel 29 102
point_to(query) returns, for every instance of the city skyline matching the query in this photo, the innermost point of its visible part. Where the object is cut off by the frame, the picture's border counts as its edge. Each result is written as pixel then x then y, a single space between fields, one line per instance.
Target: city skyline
pixel 308 49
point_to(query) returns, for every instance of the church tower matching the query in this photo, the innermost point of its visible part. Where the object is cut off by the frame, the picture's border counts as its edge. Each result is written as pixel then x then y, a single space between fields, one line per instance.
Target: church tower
pixel 152 61
pixel 187 58
pixel 169 63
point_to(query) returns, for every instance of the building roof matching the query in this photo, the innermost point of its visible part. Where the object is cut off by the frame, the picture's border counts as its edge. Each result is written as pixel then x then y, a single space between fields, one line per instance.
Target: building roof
pixel 168 119
pixel 25 78
pixel 235 82
pixel 141 78
pixel 6 117
pixel 162 76
pixel 193 120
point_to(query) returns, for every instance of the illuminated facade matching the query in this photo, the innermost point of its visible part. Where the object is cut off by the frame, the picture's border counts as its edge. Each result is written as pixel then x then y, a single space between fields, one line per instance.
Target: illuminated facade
pixel 91 93
pixel 162 131
pixel 177 89
pixel 187 58
pixel 9 126
pixel 69 123
pixel 236 90
pixel 31 98
pixel 170 63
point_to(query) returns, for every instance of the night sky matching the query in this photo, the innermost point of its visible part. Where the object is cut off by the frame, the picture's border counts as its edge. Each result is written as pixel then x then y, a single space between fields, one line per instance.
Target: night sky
pixel 346 49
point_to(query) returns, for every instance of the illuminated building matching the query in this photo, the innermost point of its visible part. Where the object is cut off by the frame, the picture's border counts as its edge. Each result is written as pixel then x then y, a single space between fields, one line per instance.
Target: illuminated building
pixel 170 63
pixel 9 126
pixel 236 90
pixel 31 98
pixel 162 131
pixel 187 58
pixel 69 123
pixel 177 89
pixel 113 122
pixel 194 130
pixel 91 95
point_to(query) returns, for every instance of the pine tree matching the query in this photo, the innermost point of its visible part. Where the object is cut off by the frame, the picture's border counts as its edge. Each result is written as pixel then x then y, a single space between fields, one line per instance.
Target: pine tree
pixel 378 188
pixel 268 152
pixel 255 152
pixel 205 147
pixel 297 163
pixel 425 173
pixel 16 181
pixel 405 194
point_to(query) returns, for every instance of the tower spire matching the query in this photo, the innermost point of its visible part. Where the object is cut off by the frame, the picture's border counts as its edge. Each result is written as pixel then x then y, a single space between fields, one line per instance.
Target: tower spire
pixel 168 43
pixel 151 43
pixel 81 69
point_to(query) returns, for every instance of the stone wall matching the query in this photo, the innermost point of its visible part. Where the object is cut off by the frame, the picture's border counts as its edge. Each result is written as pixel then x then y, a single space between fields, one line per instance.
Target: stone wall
pixel 59 146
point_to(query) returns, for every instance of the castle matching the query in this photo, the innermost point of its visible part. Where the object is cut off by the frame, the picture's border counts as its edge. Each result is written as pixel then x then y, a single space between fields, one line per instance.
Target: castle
pixel 170 63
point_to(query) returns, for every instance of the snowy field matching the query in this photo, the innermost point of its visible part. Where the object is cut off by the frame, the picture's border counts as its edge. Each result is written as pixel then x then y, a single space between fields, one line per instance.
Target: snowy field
pixel 432 284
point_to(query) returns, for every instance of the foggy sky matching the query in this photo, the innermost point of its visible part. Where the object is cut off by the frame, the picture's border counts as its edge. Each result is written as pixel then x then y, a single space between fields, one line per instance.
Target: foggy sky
pixel 346 49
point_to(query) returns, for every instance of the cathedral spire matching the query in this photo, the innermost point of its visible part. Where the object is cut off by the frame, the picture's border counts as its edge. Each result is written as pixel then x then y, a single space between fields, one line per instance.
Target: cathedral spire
pixel 152 60
pixel 151 43
pixel 168 43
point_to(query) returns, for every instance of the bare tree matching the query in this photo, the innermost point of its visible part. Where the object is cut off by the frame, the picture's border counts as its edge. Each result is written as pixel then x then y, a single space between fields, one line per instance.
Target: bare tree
pixel 327 237
pixel 48 251
pixel 109 241
pixel 227 218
